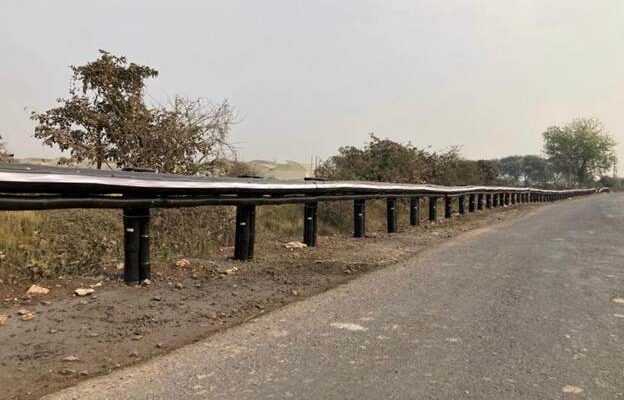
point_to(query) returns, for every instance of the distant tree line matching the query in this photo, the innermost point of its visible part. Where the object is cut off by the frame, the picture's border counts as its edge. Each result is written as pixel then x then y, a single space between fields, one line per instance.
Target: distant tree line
pixel 577 154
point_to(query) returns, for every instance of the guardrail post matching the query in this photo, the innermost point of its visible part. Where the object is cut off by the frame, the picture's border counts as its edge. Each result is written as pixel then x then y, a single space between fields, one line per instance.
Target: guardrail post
pixel 480 199
pixel 448 206
pixel 495 200
pixel 488 200
pixel 472 202
pixel 433 209
pixel 462 204
pixel 391 214
pixel 415 211
pixel 309 224
pixel 136 247
pixel 513 198
pixel 245 232
pixel 507 199
pixel 359 218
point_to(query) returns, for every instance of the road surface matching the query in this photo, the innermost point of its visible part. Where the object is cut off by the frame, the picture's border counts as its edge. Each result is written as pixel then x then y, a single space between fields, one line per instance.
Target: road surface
pixel 523 310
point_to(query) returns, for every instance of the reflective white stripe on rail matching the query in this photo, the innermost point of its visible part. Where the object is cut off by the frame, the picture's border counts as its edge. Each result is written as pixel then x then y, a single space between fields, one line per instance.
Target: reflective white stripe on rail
pixel 241 184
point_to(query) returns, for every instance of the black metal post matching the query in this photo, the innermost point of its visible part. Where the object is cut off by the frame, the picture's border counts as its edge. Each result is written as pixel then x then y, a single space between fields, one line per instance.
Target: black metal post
pixel 462 204
pixel 132 245
pixel 480 198
pixel 415 211
pixel 391 214
pixel 245 232
pixel 309 224
pixel 448 206
pixel 359 218
pixel 488 200
pixel 145 268
pixel 433 209
pixel 472 202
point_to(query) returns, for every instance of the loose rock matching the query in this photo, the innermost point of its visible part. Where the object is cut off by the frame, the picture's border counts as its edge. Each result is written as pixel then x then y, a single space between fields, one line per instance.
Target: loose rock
pixel 3 319
pixel 81 292
pixel 182 263
pixel 572 389
pixel 71 359
pixel 36 289
pixel 27 317
pixel 295 245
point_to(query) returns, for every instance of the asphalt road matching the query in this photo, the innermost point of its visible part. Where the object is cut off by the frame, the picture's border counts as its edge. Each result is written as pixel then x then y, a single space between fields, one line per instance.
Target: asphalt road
pixel 522 310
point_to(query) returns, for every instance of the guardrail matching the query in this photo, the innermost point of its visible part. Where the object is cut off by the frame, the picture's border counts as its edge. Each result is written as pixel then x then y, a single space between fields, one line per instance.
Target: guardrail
pixel 29 187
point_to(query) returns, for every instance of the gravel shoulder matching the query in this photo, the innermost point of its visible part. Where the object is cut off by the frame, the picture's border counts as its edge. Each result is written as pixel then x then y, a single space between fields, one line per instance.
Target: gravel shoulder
pixel 71 338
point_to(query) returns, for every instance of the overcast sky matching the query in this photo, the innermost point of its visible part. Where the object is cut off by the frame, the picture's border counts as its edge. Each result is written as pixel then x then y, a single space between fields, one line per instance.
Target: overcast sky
pixel 310 76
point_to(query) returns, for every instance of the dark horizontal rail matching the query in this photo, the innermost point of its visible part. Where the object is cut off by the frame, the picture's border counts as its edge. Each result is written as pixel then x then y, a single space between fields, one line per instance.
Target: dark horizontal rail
pixel 26 187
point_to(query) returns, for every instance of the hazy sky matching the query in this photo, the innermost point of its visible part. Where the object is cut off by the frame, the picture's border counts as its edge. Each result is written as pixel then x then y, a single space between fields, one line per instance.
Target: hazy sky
pixel 310 76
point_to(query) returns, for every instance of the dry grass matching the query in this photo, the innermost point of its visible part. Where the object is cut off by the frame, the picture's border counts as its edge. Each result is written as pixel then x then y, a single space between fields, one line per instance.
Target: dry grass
pixel 79 242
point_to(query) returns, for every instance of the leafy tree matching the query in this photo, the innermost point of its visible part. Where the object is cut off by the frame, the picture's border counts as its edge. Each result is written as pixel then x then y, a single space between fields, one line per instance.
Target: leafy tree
pixel 512 167
pixel 580 150
pixel 105 120
pixel 389 161
pixel 536 170
pixel 525 170
pixel 488 171
pixel 105 111
pixel 186 137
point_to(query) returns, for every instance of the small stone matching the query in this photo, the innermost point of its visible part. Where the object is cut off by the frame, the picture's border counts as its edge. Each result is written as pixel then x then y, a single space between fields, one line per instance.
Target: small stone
pixel 146 282
pixel 71 359
pixel 27 317
pixel 119 266
pixel 212 315
pixel 182 263
pixel 36 290
pixel 3 319
pixel 45 303
pixel 137 337
pixel 295 245
pixel 83 373
pixel 231 271
pixel 52 331
pixel 134 354
pixel 194 276
pixel 24 311
pixel 572 389
pixel 619 300
pixel 81 292
pixel 96 285
pixel 159 345
pixel 179 285
pixel 156 298
pixel 294 292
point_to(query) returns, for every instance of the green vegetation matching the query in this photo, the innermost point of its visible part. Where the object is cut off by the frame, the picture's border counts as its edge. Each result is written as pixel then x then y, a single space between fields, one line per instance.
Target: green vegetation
pixel 105 121
pixel 579 151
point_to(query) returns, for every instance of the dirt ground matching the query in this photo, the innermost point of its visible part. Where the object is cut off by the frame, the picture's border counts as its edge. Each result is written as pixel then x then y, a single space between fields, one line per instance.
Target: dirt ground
pixel 71 338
